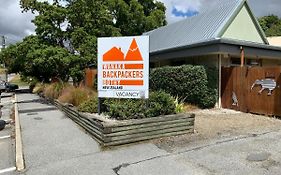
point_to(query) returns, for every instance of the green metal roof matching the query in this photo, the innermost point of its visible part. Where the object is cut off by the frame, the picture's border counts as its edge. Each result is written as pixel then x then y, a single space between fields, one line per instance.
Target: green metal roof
pixel 208 25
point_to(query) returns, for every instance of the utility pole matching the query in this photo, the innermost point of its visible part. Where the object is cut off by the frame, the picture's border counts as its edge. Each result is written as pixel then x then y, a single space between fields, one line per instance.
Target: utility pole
pixel 3 47
pixel 3 42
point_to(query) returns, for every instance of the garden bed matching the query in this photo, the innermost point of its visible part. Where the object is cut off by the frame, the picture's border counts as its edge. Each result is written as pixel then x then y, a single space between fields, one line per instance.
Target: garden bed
pixel 114 132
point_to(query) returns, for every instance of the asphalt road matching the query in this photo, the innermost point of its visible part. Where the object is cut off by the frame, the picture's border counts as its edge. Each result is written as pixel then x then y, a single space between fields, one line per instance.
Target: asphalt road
pixel 7 143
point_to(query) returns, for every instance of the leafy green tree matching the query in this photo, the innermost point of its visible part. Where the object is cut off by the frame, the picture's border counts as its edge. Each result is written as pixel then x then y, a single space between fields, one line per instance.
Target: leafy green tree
pixel 135 17
pixel 7 56
pixel 15 56
pixel 50 21
pixel 271 25
pixel 67 32
pixel 88 20
pixel 47 63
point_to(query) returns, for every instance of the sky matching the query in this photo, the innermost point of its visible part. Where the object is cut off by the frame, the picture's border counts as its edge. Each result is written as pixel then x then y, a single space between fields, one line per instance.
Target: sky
pixel 15 25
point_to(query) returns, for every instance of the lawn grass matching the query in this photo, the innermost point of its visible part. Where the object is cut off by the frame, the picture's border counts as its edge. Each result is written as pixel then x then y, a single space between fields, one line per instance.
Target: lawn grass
pixel 17 80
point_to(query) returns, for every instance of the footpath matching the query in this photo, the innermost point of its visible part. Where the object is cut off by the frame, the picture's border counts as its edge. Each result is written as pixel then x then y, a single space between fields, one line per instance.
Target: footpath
pixel 54 144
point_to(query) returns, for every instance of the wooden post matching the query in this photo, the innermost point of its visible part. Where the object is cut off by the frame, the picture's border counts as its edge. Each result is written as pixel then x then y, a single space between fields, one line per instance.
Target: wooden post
pixel 242 56
pixel 219 64
pixel 242 81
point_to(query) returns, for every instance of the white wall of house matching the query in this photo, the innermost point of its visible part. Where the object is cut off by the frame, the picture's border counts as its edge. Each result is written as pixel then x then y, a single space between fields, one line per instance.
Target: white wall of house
pixel 274 41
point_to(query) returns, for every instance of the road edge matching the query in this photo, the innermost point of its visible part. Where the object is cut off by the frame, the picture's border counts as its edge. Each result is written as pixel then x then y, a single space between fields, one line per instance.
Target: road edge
pixel 19 147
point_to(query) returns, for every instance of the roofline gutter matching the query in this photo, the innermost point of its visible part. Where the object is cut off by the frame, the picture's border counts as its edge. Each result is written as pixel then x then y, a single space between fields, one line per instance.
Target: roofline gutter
pixel 219 46
pixel 219 41
pixel 204 43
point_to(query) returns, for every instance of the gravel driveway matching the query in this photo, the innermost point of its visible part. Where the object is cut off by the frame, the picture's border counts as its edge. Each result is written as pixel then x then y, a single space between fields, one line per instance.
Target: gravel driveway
pixel 217 124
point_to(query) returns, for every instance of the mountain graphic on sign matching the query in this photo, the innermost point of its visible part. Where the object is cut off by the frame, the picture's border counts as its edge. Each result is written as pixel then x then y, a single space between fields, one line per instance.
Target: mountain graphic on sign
pixel 133 53
pixel 116 54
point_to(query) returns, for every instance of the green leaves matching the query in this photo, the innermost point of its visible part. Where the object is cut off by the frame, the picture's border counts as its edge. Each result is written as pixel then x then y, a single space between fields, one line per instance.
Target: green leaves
pixel 136 17
pixel 67 32
pixel 196 84
pixel 271 25
pixel 159 103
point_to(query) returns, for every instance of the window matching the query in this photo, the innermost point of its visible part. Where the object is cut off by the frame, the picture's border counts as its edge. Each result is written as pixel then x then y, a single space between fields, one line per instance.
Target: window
pixel 235 61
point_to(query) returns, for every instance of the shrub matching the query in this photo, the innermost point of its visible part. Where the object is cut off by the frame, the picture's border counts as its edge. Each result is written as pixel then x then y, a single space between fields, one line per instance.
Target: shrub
pixel 38 88
pixel 66 95
pixel 54 90
pixel 188 82
pixel 75 96
pixel 80 95
pixel 90 106
pixel 33 82
pixel 123 109
pixel 210 98
pixel 159 103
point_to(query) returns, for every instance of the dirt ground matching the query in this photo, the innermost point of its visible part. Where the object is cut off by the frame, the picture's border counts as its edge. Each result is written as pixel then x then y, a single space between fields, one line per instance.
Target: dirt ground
pixel 219 124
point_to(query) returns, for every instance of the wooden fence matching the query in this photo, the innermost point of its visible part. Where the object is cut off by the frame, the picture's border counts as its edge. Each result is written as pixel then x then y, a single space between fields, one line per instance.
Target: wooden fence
pixel 112 133
pixel 242 89
pixel 90 76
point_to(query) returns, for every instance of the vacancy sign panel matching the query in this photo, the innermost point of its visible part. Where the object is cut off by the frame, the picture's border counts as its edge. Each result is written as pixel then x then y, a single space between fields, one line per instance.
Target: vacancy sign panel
pixel 123 67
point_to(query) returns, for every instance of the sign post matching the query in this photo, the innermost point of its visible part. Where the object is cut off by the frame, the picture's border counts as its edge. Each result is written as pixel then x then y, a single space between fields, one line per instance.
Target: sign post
pixel 123 67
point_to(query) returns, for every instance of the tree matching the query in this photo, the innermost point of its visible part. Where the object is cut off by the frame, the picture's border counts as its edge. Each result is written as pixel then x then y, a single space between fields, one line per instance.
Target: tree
pixel 7 57
pixel 50 21
pixel 88 20
pixel 135 17
pixel 271 25
pixel 15 56
pixel 67 32
pixel 47 63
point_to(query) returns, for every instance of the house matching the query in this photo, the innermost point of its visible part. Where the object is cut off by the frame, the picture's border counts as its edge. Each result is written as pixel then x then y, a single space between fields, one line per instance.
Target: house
pixel 224 34
pixel 114 54
pixel 274 41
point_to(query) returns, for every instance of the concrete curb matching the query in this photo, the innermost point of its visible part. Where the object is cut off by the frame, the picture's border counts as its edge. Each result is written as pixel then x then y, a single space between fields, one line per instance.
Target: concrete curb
pixel 19 148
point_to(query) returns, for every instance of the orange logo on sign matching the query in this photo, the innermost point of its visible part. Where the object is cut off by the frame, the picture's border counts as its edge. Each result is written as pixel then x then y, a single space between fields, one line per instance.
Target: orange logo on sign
pixel 121 74
pixel 116 54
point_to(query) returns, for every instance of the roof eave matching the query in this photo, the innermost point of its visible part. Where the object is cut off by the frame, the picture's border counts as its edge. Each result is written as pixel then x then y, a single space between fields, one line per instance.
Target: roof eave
pixel 203 43
pixel 218 46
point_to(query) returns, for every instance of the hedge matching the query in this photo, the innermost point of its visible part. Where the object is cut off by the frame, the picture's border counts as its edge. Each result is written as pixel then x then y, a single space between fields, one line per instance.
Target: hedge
pixel 196 84
pixel 159 103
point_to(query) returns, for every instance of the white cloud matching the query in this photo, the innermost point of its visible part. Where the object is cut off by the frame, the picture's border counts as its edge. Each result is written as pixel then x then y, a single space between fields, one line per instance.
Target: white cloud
pixel 260 7
pixel 183 6
pixel 13 23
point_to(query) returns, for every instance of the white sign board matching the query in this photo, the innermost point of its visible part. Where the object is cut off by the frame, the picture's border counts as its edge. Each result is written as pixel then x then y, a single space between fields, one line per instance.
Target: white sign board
pixel 123 67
